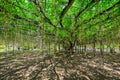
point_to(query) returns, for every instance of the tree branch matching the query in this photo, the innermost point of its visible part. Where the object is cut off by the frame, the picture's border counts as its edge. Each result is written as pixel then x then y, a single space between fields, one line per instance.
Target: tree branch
pixel 86 7
pixel 65 11
pixel 103 21
pixel 97 15
pixel 36 2
pixel 12 4
pixel 36 23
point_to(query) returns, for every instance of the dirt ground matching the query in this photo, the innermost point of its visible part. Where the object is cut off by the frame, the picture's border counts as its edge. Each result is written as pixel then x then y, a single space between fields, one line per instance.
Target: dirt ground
pixel 31 65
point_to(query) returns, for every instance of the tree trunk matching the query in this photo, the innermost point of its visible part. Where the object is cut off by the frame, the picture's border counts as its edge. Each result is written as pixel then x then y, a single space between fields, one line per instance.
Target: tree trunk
pixel 101 47
pixel 42 45
pixel 85 49
pixel 119 46
pixel 49 46
pixel 13 47
pixel 59 47
pixel 71 49
pixel 55 47
pixel 80 48
pixel 94 49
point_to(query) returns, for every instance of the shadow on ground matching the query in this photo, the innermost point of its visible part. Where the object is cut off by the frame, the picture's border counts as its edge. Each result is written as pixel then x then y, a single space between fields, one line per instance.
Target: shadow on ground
pixel 36 66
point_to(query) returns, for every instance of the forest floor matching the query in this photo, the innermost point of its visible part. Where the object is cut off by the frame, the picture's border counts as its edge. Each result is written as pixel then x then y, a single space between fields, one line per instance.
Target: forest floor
pixel 31 65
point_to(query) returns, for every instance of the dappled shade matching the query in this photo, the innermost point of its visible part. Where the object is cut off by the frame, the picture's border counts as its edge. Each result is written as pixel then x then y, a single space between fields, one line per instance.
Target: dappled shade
pixel 55 28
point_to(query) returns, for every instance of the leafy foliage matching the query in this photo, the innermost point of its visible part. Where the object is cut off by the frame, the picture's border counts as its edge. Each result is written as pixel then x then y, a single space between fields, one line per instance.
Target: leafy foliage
pixel 67 20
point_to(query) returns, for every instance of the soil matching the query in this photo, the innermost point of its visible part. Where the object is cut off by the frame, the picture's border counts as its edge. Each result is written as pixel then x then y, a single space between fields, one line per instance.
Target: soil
pixel 33 65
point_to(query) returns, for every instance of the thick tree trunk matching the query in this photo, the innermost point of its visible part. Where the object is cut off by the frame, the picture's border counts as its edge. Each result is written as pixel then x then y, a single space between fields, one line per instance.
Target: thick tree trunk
pixel 112 48
pixel 71 48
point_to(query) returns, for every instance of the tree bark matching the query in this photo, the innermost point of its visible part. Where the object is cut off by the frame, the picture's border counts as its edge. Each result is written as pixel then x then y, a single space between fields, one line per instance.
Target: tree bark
pixel 94 49
pixel 101 47
pixel 85 49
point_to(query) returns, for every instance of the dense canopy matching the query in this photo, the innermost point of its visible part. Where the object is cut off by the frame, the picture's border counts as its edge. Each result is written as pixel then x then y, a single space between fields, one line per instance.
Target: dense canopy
pixel 67 22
